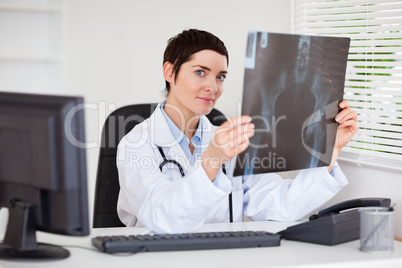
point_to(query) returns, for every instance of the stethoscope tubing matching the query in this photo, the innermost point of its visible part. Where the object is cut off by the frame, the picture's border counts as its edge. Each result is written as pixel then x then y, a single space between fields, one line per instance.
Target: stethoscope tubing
pixel 166 161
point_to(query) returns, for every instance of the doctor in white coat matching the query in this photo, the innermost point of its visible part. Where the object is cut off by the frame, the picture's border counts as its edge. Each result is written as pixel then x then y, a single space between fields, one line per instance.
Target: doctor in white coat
pixel 175 168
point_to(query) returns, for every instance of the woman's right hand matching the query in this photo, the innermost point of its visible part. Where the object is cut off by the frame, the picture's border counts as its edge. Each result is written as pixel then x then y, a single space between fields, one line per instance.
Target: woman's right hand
pixel 230 139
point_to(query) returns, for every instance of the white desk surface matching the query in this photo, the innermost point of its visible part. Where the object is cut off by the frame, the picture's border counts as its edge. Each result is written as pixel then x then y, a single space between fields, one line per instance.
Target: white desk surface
pixel 288 254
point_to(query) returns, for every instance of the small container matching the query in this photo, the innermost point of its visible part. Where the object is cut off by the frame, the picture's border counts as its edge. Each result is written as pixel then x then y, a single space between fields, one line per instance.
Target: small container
pixel 377 227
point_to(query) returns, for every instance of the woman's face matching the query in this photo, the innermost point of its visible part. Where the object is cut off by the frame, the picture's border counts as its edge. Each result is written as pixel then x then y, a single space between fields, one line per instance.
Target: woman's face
pixel 198 84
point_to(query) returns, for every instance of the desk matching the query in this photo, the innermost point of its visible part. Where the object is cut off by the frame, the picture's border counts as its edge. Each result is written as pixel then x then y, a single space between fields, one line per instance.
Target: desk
pixel 288 254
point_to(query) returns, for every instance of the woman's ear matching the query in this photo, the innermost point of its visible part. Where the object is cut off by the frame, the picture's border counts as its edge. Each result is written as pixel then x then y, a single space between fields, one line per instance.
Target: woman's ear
pixel 168 72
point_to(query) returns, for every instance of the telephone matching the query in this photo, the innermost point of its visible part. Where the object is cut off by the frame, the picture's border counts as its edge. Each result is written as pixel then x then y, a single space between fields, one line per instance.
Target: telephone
pixel 333 225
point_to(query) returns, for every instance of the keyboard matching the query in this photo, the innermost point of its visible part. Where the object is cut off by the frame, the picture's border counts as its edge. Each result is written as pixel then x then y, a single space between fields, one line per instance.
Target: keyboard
pixel 185 241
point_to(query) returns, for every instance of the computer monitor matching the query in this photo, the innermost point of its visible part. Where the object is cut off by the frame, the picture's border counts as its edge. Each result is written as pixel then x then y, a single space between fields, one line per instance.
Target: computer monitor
pixel 42 172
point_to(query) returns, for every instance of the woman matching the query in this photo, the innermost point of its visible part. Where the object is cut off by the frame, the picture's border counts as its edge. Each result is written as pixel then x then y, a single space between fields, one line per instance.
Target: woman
pixel 167 199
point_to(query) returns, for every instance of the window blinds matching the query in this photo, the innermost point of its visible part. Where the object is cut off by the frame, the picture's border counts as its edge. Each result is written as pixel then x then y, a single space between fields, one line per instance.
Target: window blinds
pixel 373 82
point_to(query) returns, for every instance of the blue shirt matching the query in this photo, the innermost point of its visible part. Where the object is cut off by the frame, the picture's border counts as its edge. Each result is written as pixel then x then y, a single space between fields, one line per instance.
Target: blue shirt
pixel 183 140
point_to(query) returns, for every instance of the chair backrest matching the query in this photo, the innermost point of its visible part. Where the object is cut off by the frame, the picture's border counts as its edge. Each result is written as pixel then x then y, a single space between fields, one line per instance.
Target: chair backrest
pixel 118 124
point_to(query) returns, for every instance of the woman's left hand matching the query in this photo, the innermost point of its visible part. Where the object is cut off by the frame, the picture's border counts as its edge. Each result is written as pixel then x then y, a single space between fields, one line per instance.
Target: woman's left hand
pixel 347 128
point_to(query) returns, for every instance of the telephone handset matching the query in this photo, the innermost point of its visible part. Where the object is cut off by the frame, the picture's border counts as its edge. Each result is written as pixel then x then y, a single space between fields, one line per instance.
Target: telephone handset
pixel 351 204
pixel 333 225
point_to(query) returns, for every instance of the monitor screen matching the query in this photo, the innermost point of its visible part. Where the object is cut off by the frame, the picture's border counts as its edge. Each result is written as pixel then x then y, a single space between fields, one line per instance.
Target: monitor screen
pixel 42 172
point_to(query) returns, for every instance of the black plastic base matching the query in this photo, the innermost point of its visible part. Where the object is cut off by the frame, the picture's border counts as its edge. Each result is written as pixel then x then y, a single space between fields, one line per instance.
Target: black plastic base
pixel 43 251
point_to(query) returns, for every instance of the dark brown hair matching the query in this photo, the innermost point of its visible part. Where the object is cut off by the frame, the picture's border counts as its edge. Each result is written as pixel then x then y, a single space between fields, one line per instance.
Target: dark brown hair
pixel 181 47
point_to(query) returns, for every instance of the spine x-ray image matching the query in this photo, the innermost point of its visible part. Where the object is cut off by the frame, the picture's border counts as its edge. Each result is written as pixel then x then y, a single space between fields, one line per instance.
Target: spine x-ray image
pixel 293 85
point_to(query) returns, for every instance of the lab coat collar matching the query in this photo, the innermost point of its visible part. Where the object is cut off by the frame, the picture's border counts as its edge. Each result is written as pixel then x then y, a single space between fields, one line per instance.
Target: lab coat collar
pixel 160 133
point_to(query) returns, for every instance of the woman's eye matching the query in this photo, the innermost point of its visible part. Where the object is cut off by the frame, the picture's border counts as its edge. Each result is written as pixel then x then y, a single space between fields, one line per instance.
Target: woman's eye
pixel 221 77
pixel 200 73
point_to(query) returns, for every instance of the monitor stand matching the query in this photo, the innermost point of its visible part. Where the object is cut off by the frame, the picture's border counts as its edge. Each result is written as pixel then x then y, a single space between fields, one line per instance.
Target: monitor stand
pixel 20 239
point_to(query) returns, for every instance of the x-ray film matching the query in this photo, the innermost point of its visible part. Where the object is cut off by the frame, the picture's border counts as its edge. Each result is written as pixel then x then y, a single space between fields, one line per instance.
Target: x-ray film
pixel 293 85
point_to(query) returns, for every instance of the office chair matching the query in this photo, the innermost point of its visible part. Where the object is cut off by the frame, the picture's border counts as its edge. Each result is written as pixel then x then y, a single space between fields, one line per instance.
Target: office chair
pixel 117 125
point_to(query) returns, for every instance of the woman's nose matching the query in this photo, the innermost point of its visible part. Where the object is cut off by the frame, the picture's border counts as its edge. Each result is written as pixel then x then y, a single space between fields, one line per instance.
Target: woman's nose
pixel 212 85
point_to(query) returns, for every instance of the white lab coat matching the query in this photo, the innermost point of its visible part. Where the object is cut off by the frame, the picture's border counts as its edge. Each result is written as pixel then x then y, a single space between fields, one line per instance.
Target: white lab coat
pixel 169 203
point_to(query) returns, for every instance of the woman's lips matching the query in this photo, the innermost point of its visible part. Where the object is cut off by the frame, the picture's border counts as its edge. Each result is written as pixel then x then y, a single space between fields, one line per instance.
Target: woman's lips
pixel 208 100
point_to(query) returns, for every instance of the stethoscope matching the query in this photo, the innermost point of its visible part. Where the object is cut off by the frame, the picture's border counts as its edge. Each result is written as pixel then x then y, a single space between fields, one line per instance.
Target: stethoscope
pixel 167 161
